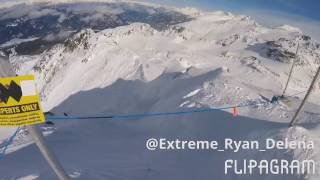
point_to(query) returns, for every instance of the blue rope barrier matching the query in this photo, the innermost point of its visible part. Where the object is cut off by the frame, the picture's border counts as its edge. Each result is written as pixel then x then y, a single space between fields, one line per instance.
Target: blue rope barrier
pixel 293 95
pixel 149 114
pixel 8 142
pixel 129 116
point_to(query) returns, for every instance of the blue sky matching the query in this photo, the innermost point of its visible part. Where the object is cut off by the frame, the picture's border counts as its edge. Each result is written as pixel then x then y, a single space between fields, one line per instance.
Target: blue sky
pixel 305 8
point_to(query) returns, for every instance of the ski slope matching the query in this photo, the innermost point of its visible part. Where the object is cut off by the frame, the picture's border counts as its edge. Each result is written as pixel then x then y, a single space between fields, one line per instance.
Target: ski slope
pixel 217 59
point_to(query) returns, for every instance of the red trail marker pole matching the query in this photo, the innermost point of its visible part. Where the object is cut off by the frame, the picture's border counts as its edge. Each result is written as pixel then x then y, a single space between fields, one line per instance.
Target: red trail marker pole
pixel 234 112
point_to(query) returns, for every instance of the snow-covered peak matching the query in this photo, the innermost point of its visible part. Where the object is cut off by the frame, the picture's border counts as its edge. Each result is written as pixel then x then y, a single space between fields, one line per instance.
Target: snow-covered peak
pixel 290 28
pixel 135 29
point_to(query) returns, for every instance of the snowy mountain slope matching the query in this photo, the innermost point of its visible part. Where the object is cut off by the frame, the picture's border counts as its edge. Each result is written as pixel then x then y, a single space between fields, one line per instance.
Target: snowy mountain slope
pixel 114 149
pixel 211 41
pixel 5 67
pixel 215 60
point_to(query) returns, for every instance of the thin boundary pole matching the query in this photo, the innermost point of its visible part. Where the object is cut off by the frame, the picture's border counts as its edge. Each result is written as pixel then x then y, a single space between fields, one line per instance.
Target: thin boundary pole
pixel 295 117
pixel 47 153
pixel 291 71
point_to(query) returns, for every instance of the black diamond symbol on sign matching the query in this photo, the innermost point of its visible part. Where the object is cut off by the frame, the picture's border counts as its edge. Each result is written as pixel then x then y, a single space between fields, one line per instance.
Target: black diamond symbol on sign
pixel 14 91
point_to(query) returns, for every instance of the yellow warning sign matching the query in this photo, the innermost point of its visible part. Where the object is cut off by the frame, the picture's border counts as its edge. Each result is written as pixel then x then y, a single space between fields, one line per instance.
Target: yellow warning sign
pixel 19 102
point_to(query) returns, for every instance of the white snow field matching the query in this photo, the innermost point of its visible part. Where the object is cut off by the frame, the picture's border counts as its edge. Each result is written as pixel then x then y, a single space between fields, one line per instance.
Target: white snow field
pixel 217 59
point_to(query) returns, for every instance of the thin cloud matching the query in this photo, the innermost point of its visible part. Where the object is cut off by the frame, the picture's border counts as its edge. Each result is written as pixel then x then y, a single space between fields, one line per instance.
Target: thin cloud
pixel 276 18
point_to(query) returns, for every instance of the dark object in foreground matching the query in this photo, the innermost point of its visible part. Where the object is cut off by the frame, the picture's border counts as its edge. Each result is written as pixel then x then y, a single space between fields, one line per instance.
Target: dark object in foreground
pixel 50 123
